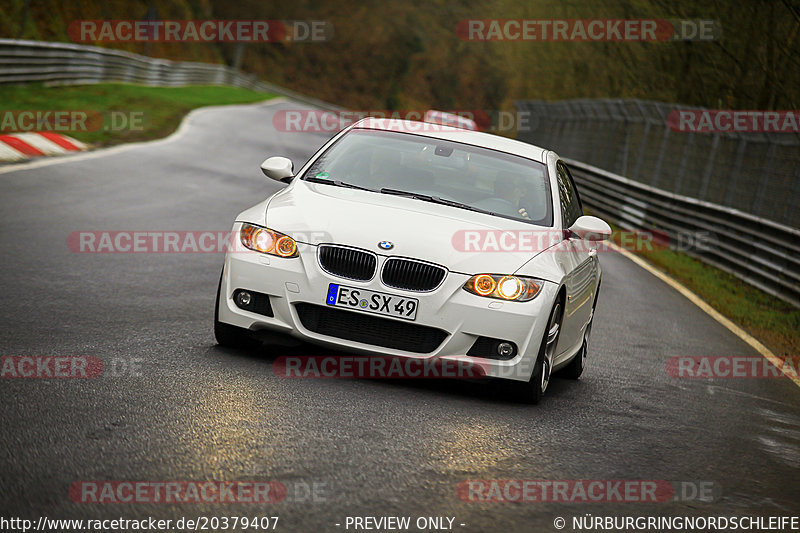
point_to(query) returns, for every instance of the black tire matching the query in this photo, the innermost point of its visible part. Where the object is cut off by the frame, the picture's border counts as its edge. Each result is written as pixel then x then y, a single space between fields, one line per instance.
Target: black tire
pixel 575 367
pixel 533 391
pixel 228 335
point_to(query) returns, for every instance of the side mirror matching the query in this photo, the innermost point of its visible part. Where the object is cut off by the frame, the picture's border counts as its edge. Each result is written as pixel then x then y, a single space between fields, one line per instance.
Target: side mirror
pixel 278 169
pixel 591 228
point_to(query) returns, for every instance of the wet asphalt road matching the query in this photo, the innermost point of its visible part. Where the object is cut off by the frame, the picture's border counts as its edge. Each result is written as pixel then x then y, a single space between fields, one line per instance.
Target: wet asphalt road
pixel 195 411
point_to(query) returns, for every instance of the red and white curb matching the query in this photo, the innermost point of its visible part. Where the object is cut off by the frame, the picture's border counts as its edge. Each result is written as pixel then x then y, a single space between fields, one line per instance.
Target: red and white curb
pixel 22 146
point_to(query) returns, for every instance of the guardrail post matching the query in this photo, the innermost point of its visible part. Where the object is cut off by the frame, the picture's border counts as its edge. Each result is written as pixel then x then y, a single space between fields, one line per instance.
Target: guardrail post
pixel 637 169
pixel 678 182
pixel 626 120
pixel 596 146
pixel 709 167
pixel 737 167
pixel 790 207
pixel 612 155
pixel 660 158
pixel 758 199
pixel 24 20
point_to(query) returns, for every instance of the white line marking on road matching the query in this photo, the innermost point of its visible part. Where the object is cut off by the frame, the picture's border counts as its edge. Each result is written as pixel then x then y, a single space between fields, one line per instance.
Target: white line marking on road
pixel 177 134
pixel 713 313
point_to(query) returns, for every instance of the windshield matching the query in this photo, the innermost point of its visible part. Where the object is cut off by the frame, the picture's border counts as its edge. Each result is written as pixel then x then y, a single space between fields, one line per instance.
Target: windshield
pixel 501 184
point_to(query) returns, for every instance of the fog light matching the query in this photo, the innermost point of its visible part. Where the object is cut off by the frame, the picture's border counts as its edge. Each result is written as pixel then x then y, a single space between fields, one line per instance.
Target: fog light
pixel 505 349
pixel 243 299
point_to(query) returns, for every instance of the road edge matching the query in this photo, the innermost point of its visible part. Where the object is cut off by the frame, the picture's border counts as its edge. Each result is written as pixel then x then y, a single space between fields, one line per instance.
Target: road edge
pixel 706 308
pixel 181 130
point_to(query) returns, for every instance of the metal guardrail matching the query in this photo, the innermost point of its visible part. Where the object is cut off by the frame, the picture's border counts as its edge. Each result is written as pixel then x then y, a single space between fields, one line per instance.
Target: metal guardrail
pixel 742 189
pixel 754 172
pixel 761 252
pixel 71 64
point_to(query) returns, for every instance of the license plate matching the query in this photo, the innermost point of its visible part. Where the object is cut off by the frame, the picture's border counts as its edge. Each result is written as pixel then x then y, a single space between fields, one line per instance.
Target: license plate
pixel 378 303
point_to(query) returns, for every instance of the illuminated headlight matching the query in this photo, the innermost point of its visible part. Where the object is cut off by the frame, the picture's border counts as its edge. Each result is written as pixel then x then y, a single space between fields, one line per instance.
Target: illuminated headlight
pixel 267 241
pixel 512 288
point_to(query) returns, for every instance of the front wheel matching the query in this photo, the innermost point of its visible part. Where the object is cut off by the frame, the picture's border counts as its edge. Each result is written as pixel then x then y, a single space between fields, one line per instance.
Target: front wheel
pixel 533 390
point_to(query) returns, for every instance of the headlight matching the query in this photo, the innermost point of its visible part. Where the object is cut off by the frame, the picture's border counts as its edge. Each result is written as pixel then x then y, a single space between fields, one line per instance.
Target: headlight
pixel 512 288
pixel 267 241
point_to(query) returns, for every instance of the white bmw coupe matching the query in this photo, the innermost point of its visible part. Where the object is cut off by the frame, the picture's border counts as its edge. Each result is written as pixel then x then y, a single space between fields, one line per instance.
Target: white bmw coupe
pixel 415 240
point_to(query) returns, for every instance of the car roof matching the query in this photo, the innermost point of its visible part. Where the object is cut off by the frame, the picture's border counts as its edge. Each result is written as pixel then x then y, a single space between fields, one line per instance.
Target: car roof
pixel 449 133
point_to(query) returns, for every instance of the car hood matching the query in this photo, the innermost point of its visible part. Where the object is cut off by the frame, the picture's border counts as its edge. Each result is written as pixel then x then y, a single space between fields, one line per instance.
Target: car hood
pixel 318 213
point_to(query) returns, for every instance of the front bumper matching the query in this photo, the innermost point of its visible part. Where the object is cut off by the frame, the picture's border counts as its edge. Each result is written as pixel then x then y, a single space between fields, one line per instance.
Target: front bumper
pixel 463 316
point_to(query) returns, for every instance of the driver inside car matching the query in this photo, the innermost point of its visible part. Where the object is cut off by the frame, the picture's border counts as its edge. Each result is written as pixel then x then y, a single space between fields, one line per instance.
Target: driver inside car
pixel 508 187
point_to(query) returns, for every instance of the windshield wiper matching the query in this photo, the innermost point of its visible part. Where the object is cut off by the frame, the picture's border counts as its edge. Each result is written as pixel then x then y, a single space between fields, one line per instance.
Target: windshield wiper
pixel 434 199
pixel 338 183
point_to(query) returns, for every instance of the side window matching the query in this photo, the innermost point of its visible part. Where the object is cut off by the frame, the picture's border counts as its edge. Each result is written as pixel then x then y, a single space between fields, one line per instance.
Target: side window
pixel 574 190
pixel 571 207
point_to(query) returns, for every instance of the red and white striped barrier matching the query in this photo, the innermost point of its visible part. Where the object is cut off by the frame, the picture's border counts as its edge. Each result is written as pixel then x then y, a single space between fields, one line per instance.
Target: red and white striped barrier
pixel 22 146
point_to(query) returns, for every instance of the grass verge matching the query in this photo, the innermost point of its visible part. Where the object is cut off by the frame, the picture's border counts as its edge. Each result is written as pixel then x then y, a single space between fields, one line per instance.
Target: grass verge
pixel 771 320
pixel 117 112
